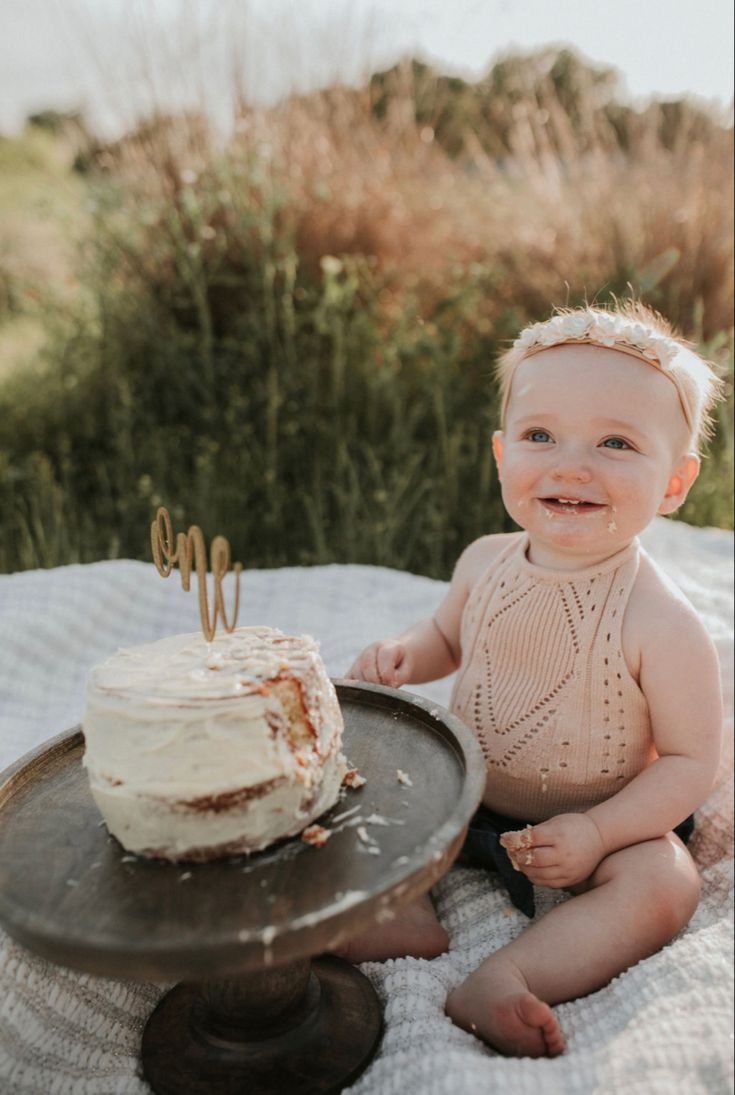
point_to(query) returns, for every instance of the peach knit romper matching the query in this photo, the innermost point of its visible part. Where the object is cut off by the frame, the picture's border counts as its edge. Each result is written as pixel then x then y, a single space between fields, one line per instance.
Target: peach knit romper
pixel 545 687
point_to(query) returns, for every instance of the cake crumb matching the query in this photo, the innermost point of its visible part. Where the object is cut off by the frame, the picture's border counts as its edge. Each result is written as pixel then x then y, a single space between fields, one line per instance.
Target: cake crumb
pixel 404 778
pixel 371 845
pixel 346 814
pixel 316 835
pixel 517 839
pixel 352 778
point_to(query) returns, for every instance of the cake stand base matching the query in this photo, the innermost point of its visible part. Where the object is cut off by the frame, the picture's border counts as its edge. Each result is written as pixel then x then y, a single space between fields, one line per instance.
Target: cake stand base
pixel 309 1026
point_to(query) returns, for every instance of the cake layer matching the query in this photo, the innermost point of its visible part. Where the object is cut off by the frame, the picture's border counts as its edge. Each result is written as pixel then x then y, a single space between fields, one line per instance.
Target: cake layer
pixel 228 824
pixel 196 749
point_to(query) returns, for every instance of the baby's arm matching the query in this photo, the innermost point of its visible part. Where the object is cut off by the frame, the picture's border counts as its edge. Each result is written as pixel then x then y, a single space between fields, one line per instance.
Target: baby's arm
pixel 431 648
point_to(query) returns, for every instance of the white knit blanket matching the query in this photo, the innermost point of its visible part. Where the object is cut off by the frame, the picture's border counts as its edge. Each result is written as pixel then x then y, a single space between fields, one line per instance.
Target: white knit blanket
pixel 664 1026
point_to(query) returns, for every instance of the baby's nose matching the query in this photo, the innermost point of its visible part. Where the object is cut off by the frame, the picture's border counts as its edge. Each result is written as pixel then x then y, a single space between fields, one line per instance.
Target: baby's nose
pixel 572 471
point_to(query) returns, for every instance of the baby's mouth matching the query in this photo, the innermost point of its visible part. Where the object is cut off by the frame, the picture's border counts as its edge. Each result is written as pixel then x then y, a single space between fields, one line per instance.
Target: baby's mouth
pixel 574 507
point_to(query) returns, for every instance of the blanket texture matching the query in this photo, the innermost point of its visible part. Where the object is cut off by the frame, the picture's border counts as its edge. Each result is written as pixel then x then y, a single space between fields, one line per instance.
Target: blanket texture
pixel 664 1026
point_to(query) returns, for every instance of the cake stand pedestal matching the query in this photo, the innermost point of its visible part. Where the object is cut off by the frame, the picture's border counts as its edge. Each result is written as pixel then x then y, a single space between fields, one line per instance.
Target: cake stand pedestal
pixel 307 1026
pixel 253 1012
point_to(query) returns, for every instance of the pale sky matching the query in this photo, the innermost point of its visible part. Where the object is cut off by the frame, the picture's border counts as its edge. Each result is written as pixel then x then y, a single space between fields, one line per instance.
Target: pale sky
pixel 112 56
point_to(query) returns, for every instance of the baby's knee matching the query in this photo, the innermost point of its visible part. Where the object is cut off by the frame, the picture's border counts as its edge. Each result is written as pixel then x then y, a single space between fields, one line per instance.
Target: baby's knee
pixel 670 882
pixel 659 880
pixel 677 891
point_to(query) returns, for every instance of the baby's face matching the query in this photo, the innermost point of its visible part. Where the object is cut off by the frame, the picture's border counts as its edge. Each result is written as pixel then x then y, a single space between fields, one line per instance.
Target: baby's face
pixel 589 454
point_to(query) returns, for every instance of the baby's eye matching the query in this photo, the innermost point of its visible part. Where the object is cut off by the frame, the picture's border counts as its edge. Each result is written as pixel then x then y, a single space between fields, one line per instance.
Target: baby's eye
pixel 615 443
pixel 538 435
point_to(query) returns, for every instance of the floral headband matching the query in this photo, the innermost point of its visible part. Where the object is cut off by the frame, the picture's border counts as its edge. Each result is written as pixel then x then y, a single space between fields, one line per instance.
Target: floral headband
pixel 680 365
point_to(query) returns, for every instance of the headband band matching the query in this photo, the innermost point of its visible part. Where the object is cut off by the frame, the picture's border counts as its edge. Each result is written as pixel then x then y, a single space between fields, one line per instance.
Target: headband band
pixel 614 332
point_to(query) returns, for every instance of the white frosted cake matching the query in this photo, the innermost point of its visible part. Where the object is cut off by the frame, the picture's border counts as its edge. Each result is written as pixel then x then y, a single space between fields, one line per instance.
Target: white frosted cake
pixel 197 749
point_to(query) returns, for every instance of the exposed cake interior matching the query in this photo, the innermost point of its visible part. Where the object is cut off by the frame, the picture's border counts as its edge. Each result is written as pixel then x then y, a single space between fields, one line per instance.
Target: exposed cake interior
pixel 200 749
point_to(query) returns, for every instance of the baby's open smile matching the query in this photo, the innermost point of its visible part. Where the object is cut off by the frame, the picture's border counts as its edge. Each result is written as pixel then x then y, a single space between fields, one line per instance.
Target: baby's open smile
pixel 571 507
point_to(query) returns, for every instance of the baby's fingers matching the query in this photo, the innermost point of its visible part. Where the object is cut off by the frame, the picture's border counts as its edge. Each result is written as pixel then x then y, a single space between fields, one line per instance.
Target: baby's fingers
pixel 353 673
pixel 530 859
pixel 390 663
pixel 365 666
pixel 539 857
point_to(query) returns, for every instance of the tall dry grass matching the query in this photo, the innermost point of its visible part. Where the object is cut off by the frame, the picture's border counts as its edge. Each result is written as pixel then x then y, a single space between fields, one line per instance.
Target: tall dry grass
pixel 307 311
pixel 570 206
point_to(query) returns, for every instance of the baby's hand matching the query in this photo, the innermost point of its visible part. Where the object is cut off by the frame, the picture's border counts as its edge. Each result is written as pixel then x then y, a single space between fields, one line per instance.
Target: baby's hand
pixel 383 662
pixel 559 852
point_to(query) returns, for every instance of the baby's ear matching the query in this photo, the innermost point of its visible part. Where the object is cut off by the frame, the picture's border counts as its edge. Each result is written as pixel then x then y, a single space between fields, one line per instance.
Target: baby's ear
pixel 498 449
pixel 680 483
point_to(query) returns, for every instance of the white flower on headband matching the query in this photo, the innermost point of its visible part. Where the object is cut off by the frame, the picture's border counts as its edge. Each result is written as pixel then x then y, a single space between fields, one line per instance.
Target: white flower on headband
pixel 666 351
pixel 576 325
pixel 548 336
pixel 527 337
pixel 637 334
pixel 602 329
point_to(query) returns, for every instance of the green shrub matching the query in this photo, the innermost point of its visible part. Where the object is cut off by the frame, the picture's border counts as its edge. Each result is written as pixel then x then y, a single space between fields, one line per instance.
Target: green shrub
pixel 289 339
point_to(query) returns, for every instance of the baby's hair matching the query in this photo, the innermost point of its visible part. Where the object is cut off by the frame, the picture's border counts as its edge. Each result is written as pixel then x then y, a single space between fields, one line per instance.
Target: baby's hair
pixel 695 378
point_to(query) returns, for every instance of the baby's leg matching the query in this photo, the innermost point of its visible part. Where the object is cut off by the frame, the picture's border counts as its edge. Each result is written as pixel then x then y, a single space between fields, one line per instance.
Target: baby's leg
pixel 414 931
pixel 635 902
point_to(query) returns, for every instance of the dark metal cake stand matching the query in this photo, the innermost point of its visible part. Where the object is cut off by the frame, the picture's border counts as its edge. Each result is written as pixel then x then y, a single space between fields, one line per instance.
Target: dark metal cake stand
pixel 255 1012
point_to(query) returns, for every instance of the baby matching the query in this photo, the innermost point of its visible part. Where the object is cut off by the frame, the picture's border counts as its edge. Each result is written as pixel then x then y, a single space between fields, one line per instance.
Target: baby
pixel 588 679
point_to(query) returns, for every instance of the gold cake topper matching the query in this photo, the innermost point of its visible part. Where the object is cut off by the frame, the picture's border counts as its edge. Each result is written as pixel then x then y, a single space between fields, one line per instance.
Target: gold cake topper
pixel 191 544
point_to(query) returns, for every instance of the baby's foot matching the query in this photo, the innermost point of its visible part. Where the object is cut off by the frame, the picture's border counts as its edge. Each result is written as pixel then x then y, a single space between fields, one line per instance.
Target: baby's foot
pixel 414 931
pixel 516 1023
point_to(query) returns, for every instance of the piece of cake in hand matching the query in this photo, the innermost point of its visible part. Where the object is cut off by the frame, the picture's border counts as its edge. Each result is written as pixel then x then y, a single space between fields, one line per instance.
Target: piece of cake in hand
pixel 197 750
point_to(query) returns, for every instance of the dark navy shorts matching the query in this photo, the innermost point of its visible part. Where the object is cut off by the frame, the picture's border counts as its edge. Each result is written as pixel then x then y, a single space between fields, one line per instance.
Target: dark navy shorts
pixel 482 848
